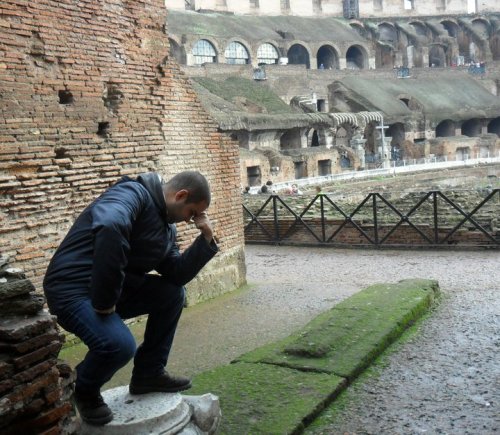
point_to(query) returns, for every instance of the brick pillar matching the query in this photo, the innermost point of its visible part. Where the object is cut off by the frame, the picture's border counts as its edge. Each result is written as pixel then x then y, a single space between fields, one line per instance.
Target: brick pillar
pixel 35 387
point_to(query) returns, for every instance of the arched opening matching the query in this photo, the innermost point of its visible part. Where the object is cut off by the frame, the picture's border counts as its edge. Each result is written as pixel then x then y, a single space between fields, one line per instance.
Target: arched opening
pixel 397 134
pixel 451 27
pixel 385 56
pixel 291 139
pixel 494 126
pixel 298 55
pixel 327 58
pixel 177 52
pixel 445 128
pixel 419 28
pixel 267 54
pixel 471 128
pixel 355 57
pixel 315 139
pixel 204 52
pixel 342 136
pixel 388 34
pixel 387 41
pixel 482 28
pixel 236 54
pixel 437 56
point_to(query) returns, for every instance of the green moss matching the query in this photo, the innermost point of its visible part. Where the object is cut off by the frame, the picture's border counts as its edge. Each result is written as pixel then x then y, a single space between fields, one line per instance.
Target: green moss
pixel 333 413
pixel 344 340
pixel 234 88
pixel 266 399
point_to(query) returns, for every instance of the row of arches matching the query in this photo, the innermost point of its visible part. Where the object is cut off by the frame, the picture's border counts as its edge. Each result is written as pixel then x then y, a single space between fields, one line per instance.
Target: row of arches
pixel 343 134
pixel 450 42
pixel 470 128
pixel 236 52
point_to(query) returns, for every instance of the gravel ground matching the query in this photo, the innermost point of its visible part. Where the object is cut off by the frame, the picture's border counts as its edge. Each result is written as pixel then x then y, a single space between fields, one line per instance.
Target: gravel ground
pixel 445 379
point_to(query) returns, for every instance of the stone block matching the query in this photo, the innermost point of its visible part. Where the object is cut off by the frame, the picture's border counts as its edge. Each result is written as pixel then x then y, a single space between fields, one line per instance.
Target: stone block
pixel 22 305
pixel 12 289
pixel 14 328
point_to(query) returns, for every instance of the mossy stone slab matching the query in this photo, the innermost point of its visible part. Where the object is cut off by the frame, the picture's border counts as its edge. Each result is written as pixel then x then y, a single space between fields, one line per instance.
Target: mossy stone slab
pixel 344 340
pixel 267 399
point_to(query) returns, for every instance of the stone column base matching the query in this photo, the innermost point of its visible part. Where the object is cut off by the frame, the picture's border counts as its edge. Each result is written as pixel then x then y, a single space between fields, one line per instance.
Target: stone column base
pixel 158 413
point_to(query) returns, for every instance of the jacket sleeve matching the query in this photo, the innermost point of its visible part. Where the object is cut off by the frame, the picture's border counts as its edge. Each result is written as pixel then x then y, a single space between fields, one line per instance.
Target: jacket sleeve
pixel 182 268
pixel 112 220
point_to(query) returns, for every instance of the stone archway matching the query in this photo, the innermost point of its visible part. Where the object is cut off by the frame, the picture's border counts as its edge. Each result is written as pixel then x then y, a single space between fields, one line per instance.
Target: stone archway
pixel 494 126
pixel 298 55
pixel 397 134
pixel 471 128
pixel 445 128
pixel 437 56
pixel 312 138
pixel 356 57
pixel 343 135
pixel 328 57
pixel 386 43
pixel 384 56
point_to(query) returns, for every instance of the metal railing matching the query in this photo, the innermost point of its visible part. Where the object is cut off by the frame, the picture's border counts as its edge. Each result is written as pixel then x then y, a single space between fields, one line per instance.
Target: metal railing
pixel 434 220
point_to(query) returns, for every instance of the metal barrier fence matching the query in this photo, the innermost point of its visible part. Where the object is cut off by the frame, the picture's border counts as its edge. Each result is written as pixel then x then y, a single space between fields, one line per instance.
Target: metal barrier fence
pixel 434 220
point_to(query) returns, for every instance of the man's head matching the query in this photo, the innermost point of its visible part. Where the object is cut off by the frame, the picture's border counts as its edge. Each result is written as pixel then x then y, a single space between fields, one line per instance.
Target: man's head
pixel 187 195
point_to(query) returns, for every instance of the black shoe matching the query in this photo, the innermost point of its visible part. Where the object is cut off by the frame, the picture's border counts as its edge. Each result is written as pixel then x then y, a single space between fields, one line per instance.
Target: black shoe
pixel 92 408
pixel 163 383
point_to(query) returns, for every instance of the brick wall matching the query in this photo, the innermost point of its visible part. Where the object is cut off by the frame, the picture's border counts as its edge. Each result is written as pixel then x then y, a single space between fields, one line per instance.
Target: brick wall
pixel 87 95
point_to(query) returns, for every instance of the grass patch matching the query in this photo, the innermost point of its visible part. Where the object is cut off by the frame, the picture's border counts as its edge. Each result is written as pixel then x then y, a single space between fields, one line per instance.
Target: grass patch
pixel 236 87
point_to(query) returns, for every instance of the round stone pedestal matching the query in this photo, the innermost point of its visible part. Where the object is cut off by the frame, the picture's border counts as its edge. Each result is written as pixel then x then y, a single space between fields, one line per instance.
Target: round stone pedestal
pixel 154 413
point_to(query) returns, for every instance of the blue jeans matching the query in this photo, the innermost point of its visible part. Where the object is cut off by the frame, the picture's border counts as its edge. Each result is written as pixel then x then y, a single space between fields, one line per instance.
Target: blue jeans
pixel 110 342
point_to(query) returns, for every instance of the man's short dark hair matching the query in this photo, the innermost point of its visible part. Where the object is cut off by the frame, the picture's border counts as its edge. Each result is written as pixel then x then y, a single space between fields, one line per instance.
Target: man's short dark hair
pixel 194 182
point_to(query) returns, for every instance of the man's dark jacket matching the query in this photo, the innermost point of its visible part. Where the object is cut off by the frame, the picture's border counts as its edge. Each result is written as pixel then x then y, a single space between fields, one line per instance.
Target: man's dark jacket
pixel 116 240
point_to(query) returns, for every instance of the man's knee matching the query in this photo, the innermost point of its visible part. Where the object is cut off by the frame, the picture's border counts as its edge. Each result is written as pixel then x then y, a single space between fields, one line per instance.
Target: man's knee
pixel 120 348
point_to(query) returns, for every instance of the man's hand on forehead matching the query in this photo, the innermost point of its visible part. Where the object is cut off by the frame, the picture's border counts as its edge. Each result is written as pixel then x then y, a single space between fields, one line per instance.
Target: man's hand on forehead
pixel 203 223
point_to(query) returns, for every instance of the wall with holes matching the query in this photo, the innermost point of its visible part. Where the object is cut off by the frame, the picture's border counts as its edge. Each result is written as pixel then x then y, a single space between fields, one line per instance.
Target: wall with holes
pixel 88 94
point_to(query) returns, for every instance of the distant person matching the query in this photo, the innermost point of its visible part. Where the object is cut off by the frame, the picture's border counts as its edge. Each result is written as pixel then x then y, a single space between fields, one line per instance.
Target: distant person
pixel 263 189
pixel 99 276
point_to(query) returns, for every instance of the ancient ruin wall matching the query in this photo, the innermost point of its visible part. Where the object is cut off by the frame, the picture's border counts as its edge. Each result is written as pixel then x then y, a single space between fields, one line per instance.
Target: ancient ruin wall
pixel 87 95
